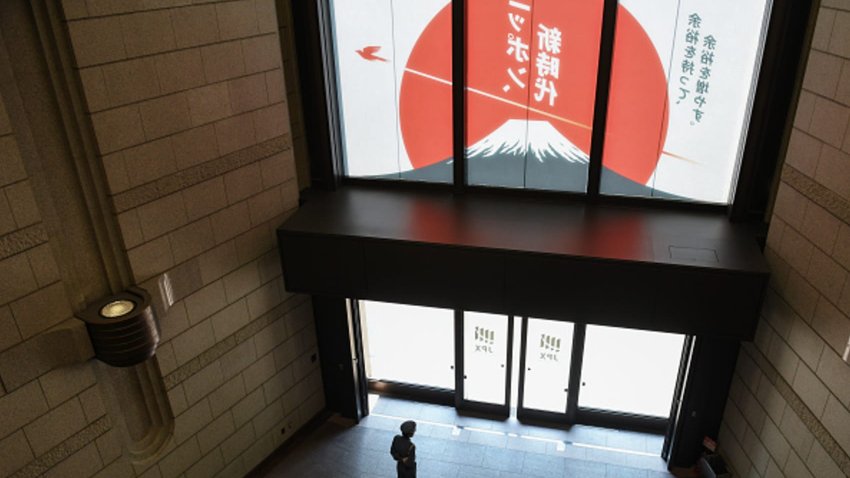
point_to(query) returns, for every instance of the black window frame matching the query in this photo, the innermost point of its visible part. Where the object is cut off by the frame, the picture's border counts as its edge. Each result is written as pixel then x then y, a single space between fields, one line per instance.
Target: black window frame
pixel 783 56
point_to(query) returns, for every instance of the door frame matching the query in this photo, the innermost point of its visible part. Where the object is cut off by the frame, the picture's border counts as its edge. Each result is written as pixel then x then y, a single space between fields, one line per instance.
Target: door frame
pixel 622 420
pixel 530 415
pixel 391 388
pixel 676 423
pixel 358 360
pixel 588 416
pixel 464 405
pixel 573 415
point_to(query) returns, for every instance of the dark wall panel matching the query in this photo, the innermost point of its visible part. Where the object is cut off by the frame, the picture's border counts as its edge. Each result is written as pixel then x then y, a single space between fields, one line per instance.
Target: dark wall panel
pixel 707 388
pixel 442 276
pixel 709 302
pixel 338 370
pixel 580 290
pixel 703 299
pixel 322 265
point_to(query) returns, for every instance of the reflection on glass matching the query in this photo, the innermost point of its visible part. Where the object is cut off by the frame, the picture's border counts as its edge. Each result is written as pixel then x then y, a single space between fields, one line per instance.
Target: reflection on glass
pixel 393 61
pixel 548 352
pixel 408 344
pixel 531 81
pixel 629 371
pixel 485 355
pixel 682 82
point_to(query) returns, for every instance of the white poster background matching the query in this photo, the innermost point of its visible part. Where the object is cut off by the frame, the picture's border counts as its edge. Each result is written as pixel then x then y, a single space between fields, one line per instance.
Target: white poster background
pixel 369 90
pixel 712 147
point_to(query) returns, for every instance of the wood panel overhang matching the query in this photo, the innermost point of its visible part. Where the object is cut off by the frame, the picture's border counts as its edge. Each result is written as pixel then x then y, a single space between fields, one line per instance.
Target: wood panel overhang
pixel 677 271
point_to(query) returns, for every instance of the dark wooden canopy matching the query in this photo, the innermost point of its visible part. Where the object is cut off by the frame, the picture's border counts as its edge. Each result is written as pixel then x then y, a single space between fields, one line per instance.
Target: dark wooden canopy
pixel 647 268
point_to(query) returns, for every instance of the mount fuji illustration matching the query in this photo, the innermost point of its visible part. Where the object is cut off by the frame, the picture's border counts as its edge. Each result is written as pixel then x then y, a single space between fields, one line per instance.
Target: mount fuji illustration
pixel 529 154
pixel 536 140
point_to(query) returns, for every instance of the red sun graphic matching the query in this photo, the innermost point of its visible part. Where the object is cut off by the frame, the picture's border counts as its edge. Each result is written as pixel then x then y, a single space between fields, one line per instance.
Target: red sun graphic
pixel 637 109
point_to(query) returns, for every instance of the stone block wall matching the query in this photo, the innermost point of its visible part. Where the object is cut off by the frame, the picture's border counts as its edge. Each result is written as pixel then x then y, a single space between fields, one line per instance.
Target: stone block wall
pixel 188 109
pixel 36 417
pixel 789 408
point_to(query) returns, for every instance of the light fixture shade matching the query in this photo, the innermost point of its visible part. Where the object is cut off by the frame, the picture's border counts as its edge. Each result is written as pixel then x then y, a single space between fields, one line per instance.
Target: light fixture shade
pixel 123 328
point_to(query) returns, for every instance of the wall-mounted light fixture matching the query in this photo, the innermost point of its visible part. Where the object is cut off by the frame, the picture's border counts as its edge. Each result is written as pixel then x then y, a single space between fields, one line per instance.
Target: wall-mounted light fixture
pixel 123 328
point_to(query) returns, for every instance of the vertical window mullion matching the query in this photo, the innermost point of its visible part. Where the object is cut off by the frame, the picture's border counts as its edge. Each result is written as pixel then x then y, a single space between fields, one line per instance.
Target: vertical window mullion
pixel 459 94
pixel 332 173
pixel 603 83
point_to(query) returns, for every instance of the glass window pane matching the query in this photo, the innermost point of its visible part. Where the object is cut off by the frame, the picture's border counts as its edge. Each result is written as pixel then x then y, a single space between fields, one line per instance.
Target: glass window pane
pixel 531 83
pixel 548 354
pixel 408 344
pixel 485 356
pixel 393 61
pixel 629 371
pixel 682 81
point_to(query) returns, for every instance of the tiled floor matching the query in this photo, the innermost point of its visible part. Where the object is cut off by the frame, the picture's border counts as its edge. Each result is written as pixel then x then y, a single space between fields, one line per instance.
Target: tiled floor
pixel 450 445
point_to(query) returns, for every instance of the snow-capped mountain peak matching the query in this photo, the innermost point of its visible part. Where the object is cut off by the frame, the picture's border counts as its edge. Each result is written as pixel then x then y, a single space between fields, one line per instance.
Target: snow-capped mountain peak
pixel 543 142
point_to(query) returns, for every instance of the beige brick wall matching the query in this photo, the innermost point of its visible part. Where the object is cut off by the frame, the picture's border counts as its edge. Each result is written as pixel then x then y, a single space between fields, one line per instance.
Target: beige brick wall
pixel 36 417
pixel 189 112
pixel 788 412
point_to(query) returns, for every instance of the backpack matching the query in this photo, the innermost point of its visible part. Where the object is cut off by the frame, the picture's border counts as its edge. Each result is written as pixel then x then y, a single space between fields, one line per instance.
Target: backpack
pixel 396 456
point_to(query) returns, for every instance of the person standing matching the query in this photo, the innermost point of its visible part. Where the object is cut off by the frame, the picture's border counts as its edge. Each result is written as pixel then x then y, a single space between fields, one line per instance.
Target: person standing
pixel 403 451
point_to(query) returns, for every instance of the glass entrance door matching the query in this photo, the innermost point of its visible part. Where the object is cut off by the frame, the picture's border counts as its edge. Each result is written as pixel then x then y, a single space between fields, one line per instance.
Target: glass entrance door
pixel 629 371
pixel 593 374
pixel 486 361
pixel 546 360
pixel 567 372
pixel 408 344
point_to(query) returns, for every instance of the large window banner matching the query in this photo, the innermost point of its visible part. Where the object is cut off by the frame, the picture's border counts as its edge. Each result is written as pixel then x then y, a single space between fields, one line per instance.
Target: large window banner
pixel 394 67
pixel 682 80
